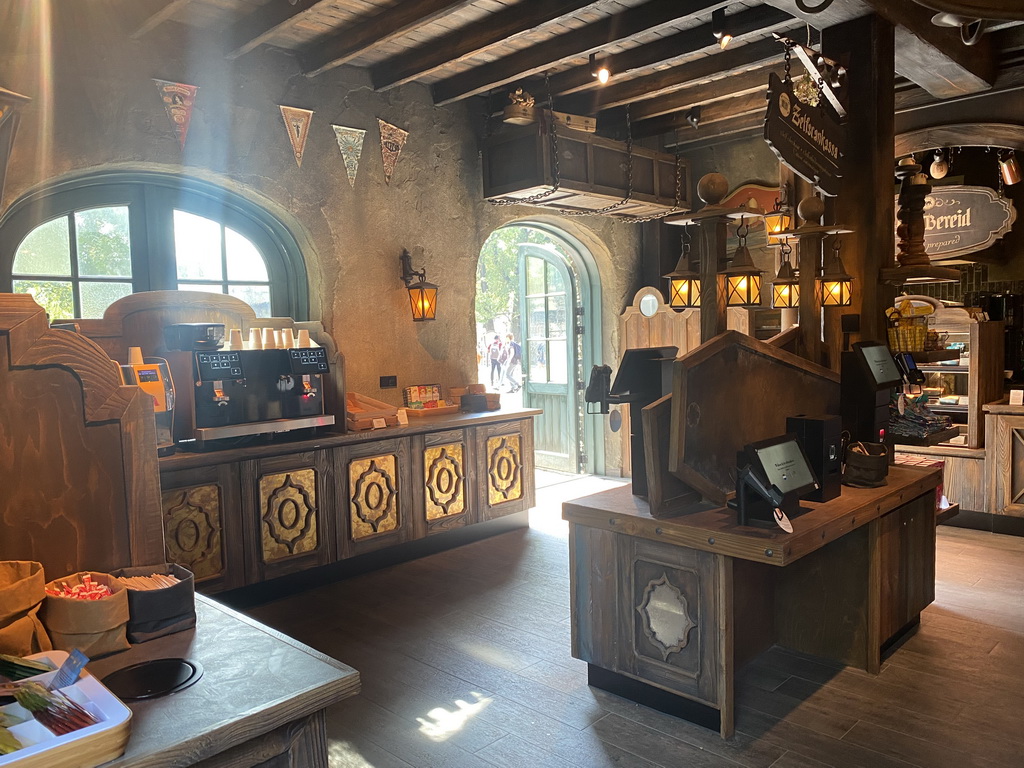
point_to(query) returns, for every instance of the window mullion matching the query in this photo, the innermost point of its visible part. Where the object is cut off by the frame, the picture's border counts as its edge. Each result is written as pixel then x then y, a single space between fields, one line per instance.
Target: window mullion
pixel 76 292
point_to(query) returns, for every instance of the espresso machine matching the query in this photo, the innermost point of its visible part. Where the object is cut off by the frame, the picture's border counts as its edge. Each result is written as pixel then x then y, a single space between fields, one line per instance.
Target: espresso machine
pixel 273 383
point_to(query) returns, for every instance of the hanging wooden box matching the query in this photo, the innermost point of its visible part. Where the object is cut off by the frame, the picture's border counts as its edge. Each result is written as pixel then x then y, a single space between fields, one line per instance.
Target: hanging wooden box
pixel 592 172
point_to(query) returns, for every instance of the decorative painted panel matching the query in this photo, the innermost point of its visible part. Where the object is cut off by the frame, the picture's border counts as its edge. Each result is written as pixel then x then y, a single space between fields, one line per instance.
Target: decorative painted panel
pixel 1015 493
pixel 667 615
pixel 445 480
pixel 192 529
pixel 288 510
pixel 373 495
pixel 504 469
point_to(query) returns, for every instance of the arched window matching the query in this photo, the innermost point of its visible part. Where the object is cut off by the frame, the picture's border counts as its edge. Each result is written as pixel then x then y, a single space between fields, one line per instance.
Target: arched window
pixel 80 245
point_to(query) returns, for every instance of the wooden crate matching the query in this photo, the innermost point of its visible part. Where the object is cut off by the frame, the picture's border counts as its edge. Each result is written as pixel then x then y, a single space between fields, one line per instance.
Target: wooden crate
pixel 592 172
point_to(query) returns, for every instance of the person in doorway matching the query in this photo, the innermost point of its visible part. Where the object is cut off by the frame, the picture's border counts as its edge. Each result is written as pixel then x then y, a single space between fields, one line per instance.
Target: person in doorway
pixel 494 350
pixel 513 356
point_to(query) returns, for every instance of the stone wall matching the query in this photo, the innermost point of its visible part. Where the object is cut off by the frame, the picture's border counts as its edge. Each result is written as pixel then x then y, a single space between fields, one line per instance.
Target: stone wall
pixel 95 107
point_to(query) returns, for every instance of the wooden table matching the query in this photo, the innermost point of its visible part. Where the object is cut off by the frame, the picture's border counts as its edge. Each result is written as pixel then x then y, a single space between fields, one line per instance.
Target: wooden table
pixel 260 702
pixel 665 611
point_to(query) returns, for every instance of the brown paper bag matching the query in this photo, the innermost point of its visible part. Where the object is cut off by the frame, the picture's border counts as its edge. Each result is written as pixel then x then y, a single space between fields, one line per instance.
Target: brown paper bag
pixel 95 627
pixel 22 589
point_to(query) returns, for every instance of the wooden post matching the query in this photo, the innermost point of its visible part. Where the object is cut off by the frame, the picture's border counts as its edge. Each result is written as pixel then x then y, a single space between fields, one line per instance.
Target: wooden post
pixel 865 46
pixel 712 284
pixel 808 250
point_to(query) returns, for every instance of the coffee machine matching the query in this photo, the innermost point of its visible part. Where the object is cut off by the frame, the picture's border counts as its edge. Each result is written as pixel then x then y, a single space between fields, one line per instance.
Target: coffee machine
pixel 271 384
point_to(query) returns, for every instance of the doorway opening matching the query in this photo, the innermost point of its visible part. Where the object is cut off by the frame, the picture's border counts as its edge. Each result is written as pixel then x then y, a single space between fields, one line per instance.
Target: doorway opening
pixel 537 321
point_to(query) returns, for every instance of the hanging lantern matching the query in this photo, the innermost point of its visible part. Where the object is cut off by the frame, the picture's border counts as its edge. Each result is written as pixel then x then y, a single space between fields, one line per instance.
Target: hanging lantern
pixel 742 277
pixel 836 284
pixel 684 280
pixel 786 285
pixel 778 219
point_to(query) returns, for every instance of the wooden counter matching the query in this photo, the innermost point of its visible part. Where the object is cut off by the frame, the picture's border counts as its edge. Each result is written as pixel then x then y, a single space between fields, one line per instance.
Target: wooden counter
pixel 675 606
pixel 242 516
pixel 260 701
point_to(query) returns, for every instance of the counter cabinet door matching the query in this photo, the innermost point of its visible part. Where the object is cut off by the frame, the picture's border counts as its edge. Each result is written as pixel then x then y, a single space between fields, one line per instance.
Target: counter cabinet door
pixel 444 493
pixel 504 463
pixel 1006 465
pixel 203 524
pixel 375 496
pixel 289 503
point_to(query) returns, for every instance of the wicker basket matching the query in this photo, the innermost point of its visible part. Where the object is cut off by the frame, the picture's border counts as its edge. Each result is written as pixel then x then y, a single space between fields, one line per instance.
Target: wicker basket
pixel 907 334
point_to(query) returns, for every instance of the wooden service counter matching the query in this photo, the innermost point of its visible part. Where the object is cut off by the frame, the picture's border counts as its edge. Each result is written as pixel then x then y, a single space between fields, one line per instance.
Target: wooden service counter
pixel 670 608
pixel 260 701
pixel 241 516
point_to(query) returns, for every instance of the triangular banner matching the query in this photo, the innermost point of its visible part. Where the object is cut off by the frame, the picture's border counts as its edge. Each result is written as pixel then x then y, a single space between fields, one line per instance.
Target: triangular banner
pixel 392 139
pixel 350 142
pixel 178 99
pixel 297 122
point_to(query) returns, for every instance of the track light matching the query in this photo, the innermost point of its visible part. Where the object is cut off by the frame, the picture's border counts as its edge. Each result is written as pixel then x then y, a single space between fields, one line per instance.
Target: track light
pixel 600 71
pixel 719 29
pixel 693 117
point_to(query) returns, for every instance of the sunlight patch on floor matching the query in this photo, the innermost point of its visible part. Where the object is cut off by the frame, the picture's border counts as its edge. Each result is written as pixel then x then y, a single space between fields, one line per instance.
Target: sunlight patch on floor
pixel 345 754
pixel 441 724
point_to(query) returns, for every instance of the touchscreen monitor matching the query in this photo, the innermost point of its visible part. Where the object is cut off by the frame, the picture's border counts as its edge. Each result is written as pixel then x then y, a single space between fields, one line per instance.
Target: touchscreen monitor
pixel 784 464
pixel 881 365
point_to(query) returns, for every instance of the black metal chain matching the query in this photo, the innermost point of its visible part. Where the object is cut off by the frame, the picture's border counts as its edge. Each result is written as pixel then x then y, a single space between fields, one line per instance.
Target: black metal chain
pixel 629 178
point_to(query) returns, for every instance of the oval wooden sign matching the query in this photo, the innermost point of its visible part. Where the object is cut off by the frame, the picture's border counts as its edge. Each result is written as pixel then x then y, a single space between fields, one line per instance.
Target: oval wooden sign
pixel 959 220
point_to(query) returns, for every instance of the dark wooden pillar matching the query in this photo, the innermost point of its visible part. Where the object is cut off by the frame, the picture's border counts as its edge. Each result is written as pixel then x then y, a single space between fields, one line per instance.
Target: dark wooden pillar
pixel 712 284
pixel 808 249
pixel 866 201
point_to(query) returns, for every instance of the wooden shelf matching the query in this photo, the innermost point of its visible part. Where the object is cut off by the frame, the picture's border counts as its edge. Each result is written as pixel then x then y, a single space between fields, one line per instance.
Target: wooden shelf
pixel 944 368
pixel 933 439
pixel 935 355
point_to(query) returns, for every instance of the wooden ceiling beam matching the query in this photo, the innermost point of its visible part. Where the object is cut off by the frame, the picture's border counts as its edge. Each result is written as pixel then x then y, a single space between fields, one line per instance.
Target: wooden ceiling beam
pixel 589 39
pixel 719 111
pixel 688 139
pixel 754 81
pixel 731 60
pixel 262 24
pixel 392 23
pixel 470 40
pixel 153 14
pixel 758 19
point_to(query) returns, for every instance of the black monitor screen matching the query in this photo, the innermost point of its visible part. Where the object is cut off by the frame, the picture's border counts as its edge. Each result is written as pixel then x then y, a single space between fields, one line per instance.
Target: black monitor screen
pixel 784 464
pixel 881 364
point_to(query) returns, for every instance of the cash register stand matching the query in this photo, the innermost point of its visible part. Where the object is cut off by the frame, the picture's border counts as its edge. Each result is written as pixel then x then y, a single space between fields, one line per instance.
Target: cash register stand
pixel 665 611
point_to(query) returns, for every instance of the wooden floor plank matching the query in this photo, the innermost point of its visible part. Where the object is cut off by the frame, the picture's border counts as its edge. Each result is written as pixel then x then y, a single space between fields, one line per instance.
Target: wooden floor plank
pixel 465 660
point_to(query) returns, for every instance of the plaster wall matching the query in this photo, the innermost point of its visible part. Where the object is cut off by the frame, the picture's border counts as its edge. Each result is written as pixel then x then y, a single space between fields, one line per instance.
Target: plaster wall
pixel 95 107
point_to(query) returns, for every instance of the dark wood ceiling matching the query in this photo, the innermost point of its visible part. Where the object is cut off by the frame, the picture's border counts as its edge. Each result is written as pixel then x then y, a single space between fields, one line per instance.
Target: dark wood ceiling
pixel 663 55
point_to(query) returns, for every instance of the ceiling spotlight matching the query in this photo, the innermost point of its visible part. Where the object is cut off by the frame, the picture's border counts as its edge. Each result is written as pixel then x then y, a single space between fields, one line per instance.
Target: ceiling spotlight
pixel 693 117
pixel 719 30
pixel 600 71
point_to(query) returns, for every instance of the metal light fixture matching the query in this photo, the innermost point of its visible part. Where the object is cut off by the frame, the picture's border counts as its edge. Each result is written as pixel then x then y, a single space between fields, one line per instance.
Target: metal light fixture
pixel 940 166
pixel 719 28
pixel 600 71
pixel 742 277
pixel 836 283
pixel 693 117
pixel 786 285
pixel 1008 167
pixel 422 295
pixel 778 219
pixel 684 280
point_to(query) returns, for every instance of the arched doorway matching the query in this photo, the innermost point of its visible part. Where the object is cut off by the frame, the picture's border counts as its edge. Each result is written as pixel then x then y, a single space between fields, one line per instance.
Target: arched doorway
pixel 541 285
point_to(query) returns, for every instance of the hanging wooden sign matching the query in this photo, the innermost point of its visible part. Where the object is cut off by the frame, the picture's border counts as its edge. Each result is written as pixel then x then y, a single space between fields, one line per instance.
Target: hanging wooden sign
pixel 959 220
pixel 807 139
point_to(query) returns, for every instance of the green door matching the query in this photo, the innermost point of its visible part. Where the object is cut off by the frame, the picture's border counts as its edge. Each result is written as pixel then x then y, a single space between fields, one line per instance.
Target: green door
pixel 550 356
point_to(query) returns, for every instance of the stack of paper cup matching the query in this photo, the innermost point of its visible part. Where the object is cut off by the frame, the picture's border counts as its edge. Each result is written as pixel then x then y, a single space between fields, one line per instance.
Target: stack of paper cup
pixel 304 338
pixel 235 338
pixel 255 338
pixel 268 339
pixel 134 355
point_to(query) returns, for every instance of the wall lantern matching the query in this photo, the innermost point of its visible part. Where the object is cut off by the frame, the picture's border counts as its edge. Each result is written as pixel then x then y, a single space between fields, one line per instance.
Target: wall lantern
pixel 778 219
pixel 742 277
pixel 684 280
pixel 599 70
pixel 422 295
pixel 786 285
pixel 720 29
pixel 836 284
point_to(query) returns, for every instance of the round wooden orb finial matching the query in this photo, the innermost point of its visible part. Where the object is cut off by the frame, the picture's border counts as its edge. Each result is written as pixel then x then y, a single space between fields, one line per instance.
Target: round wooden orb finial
pixel 712 188
pixel 810 208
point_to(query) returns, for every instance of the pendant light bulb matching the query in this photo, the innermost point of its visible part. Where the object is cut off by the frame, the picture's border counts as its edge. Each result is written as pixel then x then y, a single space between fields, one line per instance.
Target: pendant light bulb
pixel 940 166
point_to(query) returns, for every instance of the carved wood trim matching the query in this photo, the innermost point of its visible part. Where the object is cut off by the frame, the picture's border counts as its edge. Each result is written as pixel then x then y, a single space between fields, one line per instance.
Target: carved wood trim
pixel 373 495
pixel 193 529
pixel 663 603
pixel 288 510
pixel 445 480
pixel 504 469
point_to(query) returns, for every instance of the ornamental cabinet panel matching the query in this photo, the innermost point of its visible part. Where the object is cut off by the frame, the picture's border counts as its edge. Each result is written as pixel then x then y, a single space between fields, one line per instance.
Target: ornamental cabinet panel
pixel 288 502
pixel 1005 462
pixel 375 502
pixel 203 524
pixel 444 492
pixel 504 466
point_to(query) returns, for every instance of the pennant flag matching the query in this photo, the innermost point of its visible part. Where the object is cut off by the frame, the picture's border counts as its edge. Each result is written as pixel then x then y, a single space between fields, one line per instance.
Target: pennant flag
pixel 350 142
pixel 392 139
pixel 178 99
pixel 297 122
